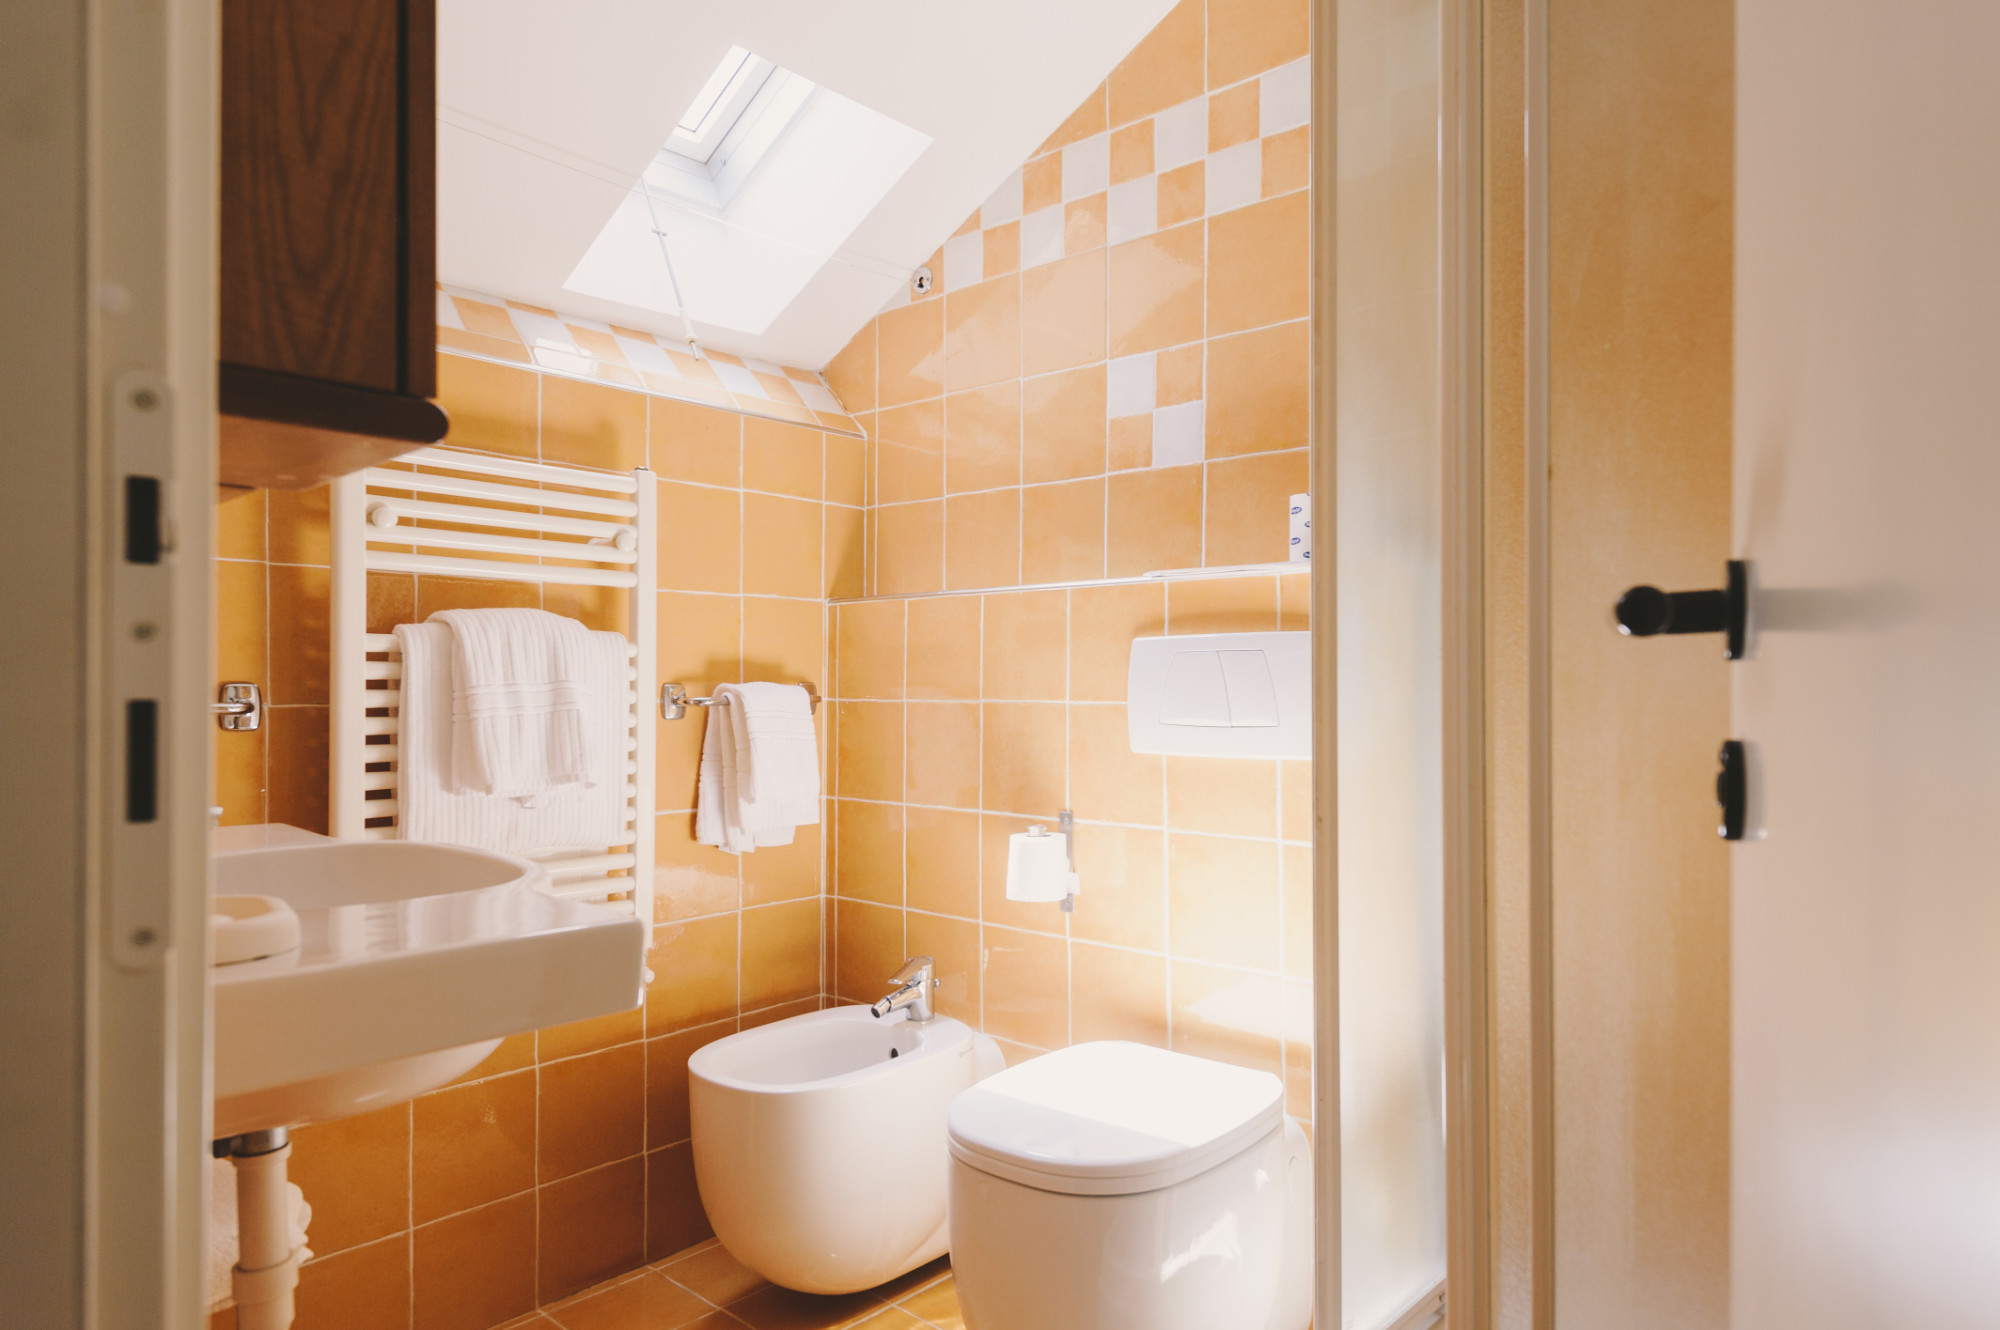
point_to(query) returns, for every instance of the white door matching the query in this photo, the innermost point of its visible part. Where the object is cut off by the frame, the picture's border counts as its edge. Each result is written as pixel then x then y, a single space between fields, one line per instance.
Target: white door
pixel 1866 1148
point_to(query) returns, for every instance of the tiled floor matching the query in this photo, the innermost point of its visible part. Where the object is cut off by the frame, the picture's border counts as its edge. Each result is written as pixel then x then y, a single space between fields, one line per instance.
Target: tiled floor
pixel 705 1288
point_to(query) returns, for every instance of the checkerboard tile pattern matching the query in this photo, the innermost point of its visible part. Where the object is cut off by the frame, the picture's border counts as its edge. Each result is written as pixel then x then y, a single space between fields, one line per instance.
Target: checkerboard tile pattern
pixel 1111 371
pixel 1206 156
pixel 491 328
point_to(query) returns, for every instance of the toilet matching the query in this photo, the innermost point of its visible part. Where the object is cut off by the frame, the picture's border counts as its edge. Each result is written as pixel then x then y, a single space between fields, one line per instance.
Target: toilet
pixel 1113 1186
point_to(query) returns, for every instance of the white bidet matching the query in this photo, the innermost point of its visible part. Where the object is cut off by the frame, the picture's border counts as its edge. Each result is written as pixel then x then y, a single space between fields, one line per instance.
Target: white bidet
pixel 819 1142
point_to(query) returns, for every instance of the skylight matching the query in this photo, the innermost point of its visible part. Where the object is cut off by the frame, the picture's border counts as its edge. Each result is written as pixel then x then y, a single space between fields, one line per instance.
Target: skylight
pixel 720 105
pixel 751 206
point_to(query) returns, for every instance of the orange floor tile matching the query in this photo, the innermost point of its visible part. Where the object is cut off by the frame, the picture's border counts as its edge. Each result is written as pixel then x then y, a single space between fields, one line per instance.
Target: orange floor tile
pixel 705 1288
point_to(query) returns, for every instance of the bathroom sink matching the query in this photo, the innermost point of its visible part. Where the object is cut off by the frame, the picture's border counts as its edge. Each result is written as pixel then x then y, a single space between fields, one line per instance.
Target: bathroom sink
pixel 414 961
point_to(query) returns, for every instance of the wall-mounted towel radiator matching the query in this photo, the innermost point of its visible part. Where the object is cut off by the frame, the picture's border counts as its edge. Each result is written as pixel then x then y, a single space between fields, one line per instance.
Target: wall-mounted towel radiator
pixel 504 520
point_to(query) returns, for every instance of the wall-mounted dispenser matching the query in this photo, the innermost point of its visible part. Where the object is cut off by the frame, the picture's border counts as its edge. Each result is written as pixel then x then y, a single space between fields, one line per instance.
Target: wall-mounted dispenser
pixel 1221 695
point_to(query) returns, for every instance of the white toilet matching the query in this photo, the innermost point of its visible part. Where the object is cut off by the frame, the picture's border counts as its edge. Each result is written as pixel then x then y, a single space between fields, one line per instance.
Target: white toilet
pixel 1111 1186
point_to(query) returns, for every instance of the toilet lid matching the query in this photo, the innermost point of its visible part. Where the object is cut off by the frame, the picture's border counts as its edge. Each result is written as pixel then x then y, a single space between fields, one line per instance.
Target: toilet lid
pixel 1111 1119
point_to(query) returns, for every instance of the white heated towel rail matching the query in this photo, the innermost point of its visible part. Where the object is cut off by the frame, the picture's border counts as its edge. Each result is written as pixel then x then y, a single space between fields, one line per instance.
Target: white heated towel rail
pixel 460 514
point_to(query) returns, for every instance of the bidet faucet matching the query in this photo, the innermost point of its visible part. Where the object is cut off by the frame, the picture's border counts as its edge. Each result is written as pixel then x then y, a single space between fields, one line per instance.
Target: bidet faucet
pixel 912 984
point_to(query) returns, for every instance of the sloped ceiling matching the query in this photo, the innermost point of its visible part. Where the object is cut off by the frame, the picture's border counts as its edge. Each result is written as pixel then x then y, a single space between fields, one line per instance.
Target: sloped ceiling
pixel 548 111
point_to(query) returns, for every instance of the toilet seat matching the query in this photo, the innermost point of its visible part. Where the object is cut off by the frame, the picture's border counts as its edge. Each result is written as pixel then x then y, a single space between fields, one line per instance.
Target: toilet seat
pixel 1112 1119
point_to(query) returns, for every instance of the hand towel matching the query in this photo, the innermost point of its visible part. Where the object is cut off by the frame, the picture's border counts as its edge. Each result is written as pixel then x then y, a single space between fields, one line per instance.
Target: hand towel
pixel 777 755
pixel 519 700
pixel 434 807
pixel 759 777
pixel 717 815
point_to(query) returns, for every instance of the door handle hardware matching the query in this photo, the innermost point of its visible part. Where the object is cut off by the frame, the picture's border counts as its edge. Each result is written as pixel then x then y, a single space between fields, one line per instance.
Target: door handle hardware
pixel 1732 789
pixel 1647 611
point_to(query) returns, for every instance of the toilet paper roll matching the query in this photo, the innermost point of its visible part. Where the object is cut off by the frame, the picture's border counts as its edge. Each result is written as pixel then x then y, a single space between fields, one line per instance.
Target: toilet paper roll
pixel 1037 867
pixel 1302 528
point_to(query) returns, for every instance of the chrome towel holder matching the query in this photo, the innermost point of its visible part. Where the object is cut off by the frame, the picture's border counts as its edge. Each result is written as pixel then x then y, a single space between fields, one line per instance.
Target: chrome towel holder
pixel 674 700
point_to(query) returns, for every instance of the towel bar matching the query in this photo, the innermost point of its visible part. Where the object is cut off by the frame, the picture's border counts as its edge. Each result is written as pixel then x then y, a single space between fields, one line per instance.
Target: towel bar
pixel 674 700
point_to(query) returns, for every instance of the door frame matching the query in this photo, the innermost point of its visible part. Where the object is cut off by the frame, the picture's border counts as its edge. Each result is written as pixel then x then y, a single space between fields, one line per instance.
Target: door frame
pixel 109 221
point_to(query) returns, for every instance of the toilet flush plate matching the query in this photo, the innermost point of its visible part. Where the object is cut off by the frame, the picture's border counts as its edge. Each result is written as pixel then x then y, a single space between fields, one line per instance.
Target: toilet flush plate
pixel 1221 695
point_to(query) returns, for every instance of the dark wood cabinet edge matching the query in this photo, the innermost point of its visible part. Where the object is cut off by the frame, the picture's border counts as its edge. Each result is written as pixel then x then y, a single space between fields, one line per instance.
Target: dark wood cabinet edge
pixel 281 431
pixel 290 399
pixel 266 454
pixel 417 222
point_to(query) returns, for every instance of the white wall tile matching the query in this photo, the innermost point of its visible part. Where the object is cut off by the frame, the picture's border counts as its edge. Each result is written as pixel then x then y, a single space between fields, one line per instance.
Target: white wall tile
pixel 964 261
pixel 1005 205
pixel 647 356
pixel 1042 236
pixel 741 381
pixel 819 397
pixel 1177 434
pixel 1284 97
pixel 1086 167
pixel 1235 176
pixel 1180 134
pixel 1133 210
pixel 1129 386
pixel 764 366
pixel 541 330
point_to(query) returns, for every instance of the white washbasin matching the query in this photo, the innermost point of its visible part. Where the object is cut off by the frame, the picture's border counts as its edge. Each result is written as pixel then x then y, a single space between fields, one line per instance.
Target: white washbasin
pixel 415 960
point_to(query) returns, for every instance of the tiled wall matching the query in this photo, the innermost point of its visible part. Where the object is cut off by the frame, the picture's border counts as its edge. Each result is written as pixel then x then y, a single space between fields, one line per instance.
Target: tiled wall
pixel 1110 374
pixel 963 719
pixel 1110 378
pixel 514 332
pixel 563 1158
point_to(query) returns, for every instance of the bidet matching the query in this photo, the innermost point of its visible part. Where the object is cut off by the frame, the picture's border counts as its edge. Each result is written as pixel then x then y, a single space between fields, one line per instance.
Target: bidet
pixel 819 1142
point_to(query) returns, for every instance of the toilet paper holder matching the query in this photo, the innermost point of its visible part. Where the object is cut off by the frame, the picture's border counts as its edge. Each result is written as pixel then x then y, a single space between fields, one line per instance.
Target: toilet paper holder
pixel 1066 828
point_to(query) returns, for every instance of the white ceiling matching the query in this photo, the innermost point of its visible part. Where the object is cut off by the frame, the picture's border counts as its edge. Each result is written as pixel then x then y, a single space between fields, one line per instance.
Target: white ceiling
pixel 548 112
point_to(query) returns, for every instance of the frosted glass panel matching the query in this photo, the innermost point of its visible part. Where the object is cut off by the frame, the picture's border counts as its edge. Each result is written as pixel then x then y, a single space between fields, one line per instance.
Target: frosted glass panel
pixel 1390 703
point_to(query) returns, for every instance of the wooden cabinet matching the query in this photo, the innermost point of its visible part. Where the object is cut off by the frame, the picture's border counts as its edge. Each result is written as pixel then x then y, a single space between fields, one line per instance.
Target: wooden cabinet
pixel 328 237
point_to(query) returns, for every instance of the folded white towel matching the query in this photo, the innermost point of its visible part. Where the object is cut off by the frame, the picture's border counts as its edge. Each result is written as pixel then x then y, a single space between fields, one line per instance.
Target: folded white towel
pixel 519 701
pixel 436 808
pixel 759 767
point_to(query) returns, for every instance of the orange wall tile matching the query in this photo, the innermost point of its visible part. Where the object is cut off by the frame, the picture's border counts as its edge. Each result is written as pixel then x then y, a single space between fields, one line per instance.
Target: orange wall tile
pixel 1196 873
pixel 433 1208
pixel 1007 371
pixel 1156 290
pixel 992 462
pixel 1164 69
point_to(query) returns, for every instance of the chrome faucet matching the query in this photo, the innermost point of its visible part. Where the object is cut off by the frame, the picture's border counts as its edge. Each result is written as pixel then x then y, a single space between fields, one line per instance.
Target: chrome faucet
pixel 912 984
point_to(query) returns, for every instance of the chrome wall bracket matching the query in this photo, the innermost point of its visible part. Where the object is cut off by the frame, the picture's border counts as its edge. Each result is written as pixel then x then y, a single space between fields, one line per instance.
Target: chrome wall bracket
pixel 1066 825
pixel 239 706
pixel 674 700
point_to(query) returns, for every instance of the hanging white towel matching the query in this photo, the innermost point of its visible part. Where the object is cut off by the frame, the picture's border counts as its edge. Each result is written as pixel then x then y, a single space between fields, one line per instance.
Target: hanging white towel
pixel 759 767
pixel 717 815
pixel 519 701
pixel 777 755
pixel 434 807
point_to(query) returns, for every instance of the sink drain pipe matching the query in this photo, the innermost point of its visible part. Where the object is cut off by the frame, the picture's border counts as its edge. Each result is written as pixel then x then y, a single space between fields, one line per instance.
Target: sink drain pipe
pixel 267 1261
